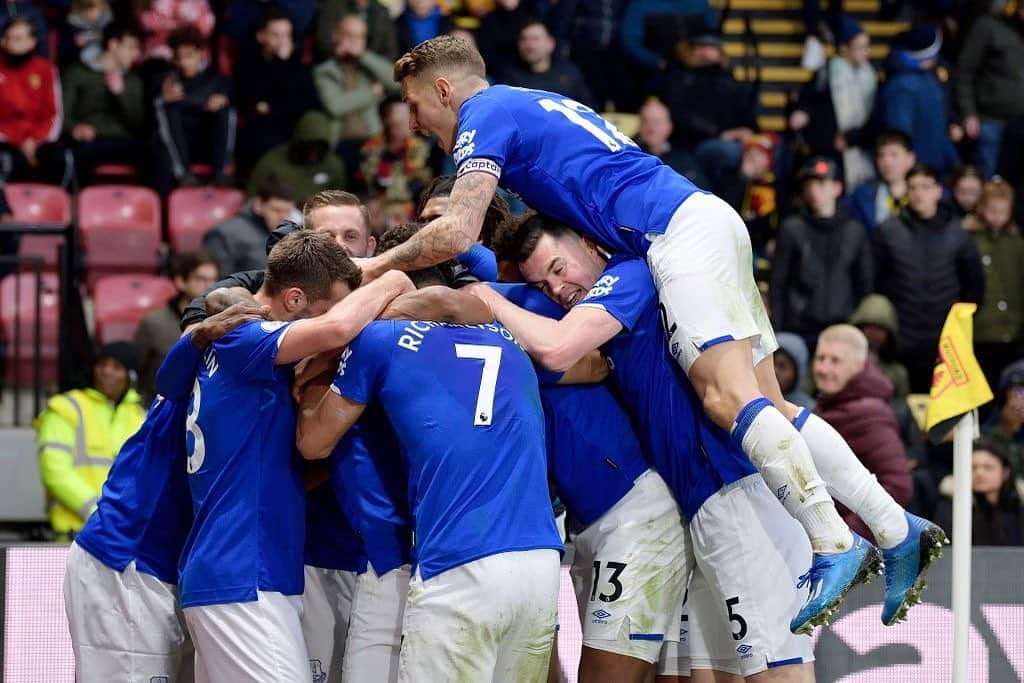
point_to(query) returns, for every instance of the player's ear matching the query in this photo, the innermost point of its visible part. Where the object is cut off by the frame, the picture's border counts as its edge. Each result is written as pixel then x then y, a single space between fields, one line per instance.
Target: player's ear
pixel 444 89
pixel 294 299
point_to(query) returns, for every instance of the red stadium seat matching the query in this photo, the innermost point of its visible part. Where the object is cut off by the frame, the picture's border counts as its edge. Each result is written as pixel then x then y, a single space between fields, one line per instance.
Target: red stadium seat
pixel 120 227
pixel 34 203
pixel 115 173
pixel 191 211
pixel 121 301
pixel 18 318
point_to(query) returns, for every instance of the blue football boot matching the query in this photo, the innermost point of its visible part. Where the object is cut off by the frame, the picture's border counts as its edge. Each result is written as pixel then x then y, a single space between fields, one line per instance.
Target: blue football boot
pixel 830 578
pixel 905 566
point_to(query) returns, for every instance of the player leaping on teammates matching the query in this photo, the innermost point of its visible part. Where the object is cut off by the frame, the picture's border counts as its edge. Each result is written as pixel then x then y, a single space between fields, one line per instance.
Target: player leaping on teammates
pixel 568 163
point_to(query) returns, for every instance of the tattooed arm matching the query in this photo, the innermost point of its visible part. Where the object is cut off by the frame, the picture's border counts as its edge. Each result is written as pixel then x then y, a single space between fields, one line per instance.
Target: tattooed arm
pixel 444 238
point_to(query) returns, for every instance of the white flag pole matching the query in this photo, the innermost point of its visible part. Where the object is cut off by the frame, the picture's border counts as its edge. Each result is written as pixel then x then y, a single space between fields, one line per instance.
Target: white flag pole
pixel 963 501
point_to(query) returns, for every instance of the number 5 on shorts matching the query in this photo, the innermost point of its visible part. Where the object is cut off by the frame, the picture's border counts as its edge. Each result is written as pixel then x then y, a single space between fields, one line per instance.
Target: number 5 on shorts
pixel 733 616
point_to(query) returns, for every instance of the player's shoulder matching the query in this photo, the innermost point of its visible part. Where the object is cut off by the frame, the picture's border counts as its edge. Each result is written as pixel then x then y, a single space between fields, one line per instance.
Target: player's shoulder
pixel 622 273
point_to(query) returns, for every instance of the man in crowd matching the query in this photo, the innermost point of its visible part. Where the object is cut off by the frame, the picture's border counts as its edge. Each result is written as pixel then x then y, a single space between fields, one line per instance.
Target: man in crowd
pixel 240 243
pixel 541 69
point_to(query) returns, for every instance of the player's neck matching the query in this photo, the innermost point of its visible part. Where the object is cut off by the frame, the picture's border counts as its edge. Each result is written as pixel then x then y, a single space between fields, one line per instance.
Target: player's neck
pixel 276 310
pixel 471 86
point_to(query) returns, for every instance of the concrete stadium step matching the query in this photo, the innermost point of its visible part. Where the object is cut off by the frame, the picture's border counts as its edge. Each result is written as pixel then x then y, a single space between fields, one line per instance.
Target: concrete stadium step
pixel 794 28
pixel 794 5
pixel 792 51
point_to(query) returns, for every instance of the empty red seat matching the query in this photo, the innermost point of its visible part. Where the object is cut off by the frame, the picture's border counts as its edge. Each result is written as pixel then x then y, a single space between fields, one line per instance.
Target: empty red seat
pixel 34 203
pixel 18 319
pixel 191 211
pixel 121 301
pixel 120 228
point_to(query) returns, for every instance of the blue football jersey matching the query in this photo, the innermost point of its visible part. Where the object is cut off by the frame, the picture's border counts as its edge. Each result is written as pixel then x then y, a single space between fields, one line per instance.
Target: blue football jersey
pixel 145 511
pixel 371 484
pixel 567 162
pixel 464 403
pixel 331 542
pixel 245 473
pixel 693 454
pixel 594 455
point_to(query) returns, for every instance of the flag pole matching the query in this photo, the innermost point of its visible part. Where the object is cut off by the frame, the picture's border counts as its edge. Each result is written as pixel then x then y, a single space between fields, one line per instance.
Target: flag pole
pixel 963 499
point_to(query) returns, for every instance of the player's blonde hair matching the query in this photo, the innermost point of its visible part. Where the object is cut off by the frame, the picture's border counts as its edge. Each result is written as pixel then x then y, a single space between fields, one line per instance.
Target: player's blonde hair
pixel 445 55
pixel 849 335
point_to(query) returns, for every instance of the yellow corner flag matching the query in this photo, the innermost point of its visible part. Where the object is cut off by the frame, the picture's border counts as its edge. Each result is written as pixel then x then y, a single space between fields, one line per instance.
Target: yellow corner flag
pixel 958 384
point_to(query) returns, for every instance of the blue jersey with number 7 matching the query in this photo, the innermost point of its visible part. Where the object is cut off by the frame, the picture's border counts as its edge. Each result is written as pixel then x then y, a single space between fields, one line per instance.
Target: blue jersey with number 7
pixel 464 403
pixel 567 162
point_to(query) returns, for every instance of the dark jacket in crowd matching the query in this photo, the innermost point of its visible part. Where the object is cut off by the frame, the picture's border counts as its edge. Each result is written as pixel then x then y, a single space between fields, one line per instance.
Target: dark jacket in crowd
pixel 155 335
pixel 1000 524
pixel 1000 318
pixel 862 203
pixel 823 267
pixel 563 77
pixel 285 85
pixel 87 100
pixel 924 267
pixel 912 100
pixel 706 101
pixel 990 71
pixel 498 36
pixel 240 243
pixel 816 100
pixel 200 87
pixel 289 163
pixel 861 414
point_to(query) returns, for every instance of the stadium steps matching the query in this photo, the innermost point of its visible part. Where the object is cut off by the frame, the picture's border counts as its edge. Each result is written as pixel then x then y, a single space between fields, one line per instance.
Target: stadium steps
pixel 779 32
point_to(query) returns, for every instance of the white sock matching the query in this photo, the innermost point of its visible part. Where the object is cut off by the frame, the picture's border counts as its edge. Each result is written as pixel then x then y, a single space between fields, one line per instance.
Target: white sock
pixel 784 461
pixel 851 483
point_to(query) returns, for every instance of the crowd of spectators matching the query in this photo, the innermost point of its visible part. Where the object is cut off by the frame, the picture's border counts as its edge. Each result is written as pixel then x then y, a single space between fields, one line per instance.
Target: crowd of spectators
pixel 894 191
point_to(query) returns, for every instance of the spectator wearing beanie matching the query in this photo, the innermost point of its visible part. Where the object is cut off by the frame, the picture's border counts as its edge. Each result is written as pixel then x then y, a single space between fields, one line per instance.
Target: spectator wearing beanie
pixel 924 263
pixel 834 109
pixel 854 398
pixel 990 82
pixel 912 99
pixel 305 163
pixel 876 318
pixel 791 368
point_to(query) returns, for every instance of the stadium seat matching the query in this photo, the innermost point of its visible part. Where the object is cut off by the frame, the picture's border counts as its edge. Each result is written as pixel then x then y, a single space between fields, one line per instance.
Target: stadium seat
pixel 121 301
pixel 191 211
pixel 120 227
pixel 34 203
pixel 115 173
pixel 18 319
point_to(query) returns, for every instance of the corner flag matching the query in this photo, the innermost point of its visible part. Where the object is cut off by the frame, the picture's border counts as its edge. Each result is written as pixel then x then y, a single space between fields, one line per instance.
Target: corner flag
pixel 958 384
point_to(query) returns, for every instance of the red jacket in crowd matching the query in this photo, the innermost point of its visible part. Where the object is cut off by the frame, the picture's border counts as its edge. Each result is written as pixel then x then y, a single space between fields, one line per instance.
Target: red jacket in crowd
pixel 860 412
pixel 30 102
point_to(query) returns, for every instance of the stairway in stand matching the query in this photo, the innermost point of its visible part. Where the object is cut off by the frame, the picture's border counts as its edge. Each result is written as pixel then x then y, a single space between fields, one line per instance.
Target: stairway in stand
pixel 779 32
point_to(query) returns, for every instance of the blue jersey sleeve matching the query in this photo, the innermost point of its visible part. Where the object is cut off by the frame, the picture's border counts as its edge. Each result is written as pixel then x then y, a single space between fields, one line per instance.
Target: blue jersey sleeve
pixel 250 351
pixel 531 299
pixel 364 363
pixel 487 135
pixel 481 262
pixel 177 373
pixel 623 290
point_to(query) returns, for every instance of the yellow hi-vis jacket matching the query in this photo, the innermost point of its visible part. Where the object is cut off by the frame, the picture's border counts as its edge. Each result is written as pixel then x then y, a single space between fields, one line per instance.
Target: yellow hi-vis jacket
pixel 79 435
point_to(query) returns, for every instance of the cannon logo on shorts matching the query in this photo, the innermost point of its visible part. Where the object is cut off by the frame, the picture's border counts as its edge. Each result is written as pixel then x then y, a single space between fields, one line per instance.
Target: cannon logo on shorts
pixel 603 287
pixel 600 616
pixel 464 146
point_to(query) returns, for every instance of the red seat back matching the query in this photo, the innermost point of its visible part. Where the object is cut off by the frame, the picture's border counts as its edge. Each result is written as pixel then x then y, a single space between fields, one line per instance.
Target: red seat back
pixel 121 301
pixel 18 318
pixel 35 203
pixel 120 226
pixel 192 211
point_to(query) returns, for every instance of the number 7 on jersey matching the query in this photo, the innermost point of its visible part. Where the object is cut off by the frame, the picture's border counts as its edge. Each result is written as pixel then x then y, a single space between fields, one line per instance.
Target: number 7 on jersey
pixel 491 356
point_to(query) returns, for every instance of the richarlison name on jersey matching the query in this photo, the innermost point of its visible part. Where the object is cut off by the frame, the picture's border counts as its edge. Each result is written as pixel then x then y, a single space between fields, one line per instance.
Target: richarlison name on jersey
pixel 416 330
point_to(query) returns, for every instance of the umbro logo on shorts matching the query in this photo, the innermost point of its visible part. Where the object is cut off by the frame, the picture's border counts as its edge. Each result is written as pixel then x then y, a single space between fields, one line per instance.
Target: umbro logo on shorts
pixel 600 616
pixel 744 650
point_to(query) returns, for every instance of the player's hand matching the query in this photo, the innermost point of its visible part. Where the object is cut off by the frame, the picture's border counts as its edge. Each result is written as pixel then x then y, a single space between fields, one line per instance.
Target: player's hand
pixel 310 368
pixel 484 293
pixel 216 326
pixel 369 266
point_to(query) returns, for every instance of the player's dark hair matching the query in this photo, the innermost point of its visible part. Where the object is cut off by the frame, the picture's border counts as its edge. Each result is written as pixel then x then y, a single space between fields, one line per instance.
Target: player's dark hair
pixel 925 170
pixel 445 54
pixel 311 261
pixel 399 234
pixel 520 241
pixel 270 16
pixel 334 198
pixel 497 216
pixel 893 137
pixel 186 263
pixel 186 34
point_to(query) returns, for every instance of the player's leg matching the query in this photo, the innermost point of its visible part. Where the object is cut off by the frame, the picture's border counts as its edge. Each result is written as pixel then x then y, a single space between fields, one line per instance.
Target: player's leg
pixel 630 575
pixel 123 624
pixel 527 620
pixel 326 611
pixel 258 641
pixel 375 630
pixel 751 552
